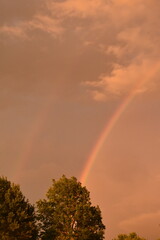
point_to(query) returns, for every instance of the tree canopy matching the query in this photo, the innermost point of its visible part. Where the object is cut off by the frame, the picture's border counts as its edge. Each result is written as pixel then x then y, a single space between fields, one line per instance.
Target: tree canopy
pixel 67 213
pixel 131 236
pixel 17 217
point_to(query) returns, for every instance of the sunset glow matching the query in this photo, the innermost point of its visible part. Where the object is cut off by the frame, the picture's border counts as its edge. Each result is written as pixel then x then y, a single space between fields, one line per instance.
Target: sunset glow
pixel 80 96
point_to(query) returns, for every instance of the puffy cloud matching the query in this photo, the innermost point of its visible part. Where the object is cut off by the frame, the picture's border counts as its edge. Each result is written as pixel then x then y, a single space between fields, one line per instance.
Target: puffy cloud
pixel 135 47
pixel 137 77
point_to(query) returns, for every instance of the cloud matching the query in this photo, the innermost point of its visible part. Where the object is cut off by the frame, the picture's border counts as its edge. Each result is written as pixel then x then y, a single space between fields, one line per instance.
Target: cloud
pixel 79 8
pixel 134 45
pixel 17 32
pixel 138 77
pixel 122 34
pixel 25 29
pixel 19 10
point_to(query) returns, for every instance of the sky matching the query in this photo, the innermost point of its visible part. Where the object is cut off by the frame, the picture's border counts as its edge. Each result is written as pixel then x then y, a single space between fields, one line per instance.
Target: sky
pixel 66 69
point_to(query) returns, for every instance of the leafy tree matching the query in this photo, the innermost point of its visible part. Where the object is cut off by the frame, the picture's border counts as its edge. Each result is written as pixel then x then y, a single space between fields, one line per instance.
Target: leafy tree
pixel 131 236
pixel 17 218
pixel 67 213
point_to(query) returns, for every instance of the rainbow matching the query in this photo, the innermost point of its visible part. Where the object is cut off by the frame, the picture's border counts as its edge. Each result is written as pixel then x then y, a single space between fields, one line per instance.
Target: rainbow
pixel 42 116
pixel 31 136
pixel 113 120
pixel 103 137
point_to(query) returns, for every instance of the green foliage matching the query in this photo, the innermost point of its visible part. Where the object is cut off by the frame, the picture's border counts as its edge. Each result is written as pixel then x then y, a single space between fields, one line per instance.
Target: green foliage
pixel 17 218
pixel 67 213
pixel 131 236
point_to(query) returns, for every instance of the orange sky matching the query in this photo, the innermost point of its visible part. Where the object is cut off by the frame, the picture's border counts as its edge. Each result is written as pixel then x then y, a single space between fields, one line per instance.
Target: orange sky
pixel 66 66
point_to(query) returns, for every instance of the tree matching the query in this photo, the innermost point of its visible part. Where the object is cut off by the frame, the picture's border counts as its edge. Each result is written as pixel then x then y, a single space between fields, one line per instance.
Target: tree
pixel 17 217
pixel 131 236
pixel 67 213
